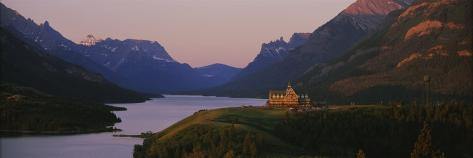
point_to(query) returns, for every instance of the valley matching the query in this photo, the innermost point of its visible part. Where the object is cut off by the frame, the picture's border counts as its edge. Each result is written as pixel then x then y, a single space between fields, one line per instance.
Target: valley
pixel 381 78
pixel 153 115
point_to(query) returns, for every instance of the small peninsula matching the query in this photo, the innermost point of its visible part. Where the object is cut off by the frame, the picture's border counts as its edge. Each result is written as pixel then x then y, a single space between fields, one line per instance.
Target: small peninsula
pixel 25 110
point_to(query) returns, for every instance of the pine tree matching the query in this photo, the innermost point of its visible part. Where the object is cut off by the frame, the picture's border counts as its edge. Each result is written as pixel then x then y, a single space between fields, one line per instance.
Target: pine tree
pixel 253 149
pixel 360 154
pixel 423 146
pixel 196 153
pixel 249 146
pixel 229 154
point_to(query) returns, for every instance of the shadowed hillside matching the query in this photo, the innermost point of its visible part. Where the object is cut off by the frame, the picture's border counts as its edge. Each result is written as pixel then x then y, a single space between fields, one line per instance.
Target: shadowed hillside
pixel 26 64
pixel 327 42
pixel 430 40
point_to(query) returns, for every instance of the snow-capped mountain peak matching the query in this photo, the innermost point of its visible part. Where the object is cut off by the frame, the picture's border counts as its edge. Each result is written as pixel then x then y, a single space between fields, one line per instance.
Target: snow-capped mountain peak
pixel 89 40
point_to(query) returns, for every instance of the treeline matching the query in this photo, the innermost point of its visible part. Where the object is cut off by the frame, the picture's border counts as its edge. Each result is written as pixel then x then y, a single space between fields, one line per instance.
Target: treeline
pixel 388 131
pixel 26 110
pixel 203 140
pixel 409 130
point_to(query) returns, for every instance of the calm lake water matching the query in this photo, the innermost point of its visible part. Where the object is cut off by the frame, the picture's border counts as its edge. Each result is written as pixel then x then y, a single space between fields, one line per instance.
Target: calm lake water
pixel 153 115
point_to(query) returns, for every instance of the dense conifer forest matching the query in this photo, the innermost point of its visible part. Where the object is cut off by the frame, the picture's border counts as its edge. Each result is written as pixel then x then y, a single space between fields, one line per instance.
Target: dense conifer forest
pixel 25 110
pixel 387 131
pixel 409 130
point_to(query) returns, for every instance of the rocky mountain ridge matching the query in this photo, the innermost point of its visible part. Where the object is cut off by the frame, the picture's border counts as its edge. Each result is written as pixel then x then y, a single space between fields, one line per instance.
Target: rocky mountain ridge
pixel 273 52
pixel 425 49
pixel 140 65
pixel 23 63
pixel 326 43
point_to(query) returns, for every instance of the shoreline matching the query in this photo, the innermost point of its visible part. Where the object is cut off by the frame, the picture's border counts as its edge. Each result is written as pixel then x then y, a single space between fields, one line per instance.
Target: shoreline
pixel 22 133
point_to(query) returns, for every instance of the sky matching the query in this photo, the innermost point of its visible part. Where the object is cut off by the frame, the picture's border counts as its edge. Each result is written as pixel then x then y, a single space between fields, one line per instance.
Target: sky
pixel 197 32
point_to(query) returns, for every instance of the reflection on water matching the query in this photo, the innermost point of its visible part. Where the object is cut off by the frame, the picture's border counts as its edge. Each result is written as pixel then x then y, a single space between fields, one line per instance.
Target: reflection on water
pixel 153 115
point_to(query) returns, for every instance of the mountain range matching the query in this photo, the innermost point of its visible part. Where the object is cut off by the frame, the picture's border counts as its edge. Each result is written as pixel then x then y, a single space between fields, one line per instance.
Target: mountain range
pixel 145 65
pixel 422 51
pixel 327 42
pixel 139 65
pixel 273 52
pixel 24 63
pixel 373 51
pixel 50 40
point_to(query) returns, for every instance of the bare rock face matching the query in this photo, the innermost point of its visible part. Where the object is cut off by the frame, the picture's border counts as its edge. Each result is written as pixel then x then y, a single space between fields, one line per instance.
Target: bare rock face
pixel 425 40
pixel 347 28
pixel 113 53
pixel 370 7
pixel 90 40
pixel 326 43
pixel 298 39
pixel 146 65
pixel 273 52
pixel 140 65
pixel 50 40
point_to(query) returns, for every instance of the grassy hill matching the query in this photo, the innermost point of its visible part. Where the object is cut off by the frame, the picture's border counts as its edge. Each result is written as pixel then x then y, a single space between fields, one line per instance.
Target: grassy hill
pixel 339 131
pixel 216 132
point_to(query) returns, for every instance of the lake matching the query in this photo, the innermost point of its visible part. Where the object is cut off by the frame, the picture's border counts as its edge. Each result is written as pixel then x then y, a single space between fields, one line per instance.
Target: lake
pixel 153 115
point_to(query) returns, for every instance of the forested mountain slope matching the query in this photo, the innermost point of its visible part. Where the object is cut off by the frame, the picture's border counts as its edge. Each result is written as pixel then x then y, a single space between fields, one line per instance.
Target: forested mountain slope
pixel 432 39
pixel 327 42
pixel 25 64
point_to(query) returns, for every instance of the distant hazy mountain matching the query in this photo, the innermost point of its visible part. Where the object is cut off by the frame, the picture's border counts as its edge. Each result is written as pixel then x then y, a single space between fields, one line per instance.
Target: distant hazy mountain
pixel 89 40
pixel 51 40
pixel 273 52
pixel 24 63
pixel 113 53
pixel 327 42
pixel 431 38
pixel 218 74
pixel 145 64
pixel 136 64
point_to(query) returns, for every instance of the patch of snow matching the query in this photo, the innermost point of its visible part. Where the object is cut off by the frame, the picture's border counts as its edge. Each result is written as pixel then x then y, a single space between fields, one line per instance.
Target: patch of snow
pixel 135 48
pixel 107 64
pixel 279 49
pixel 207 75
pixel 161 59
pixel 110 48
pixel 122 60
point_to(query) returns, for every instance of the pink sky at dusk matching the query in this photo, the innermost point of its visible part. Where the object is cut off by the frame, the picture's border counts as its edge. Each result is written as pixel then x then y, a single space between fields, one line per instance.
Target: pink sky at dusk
pixel 197 32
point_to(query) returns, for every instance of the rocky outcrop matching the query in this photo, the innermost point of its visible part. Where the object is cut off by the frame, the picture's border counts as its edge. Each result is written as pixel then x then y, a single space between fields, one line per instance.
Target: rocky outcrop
pixel 420 42
pixel 273 52
pixel 326 43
